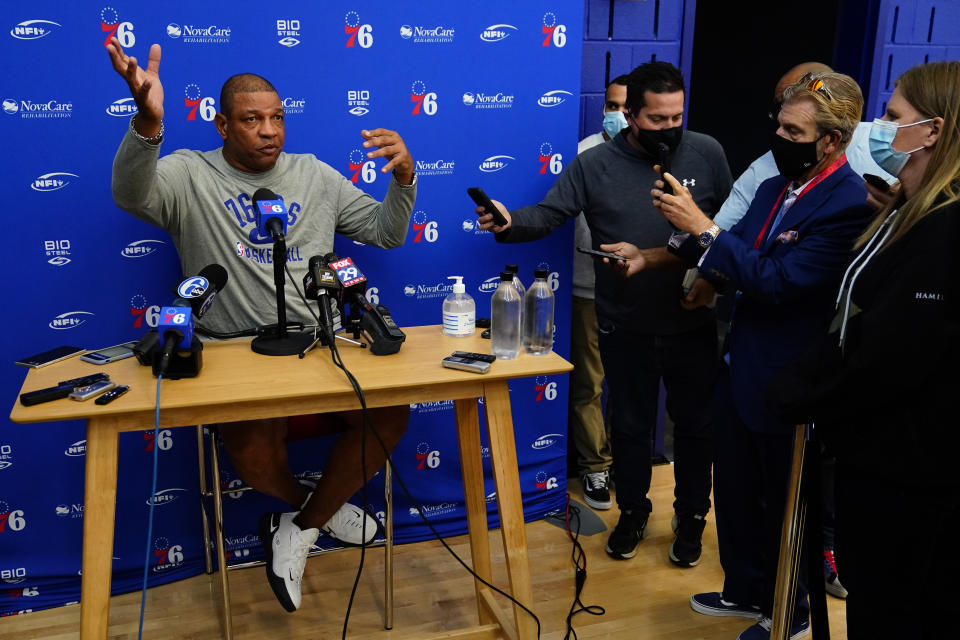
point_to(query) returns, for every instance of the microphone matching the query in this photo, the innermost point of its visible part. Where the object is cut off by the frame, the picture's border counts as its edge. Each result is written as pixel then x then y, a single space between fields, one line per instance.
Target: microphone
pixel 376 322
pixel 201 290
pixel 320 283
pixel 663 159
pixel 270 213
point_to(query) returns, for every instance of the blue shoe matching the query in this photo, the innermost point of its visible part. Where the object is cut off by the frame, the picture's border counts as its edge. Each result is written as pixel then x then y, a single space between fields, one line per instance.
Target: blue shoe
pixel 761 630
pixel 713 604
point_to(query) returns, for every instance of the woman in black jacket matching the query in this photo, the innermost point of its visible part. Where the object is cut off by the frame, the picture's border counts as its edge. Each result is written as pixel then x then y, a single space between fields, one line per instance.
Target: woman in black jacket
pixel 881 387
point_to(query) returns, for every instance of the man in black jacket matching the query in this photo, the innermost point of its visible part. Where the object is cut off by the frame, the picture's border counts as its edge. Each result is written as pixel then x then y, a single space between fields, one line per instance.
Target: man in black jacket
pixel 644 333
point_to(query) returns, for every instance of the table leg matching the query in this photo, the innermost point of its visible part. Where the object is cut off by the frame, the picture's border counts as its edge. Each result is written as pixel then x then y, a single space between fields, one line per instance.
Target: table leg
pixel 100 494
pixel 471 464
pixel 503 458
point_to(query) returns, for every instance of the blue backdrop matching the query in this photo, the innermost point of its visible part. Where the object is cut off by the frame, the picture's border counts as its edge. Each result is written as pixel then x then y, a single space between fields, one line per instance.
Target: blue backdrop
pixel 484 94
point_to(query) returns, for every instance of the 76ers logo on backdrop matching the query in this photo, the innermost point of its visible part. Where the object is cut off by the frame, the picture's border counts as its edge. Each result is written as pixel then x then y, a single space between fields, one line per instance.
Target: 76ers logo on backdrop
pixel 195 102
pixel 427 458
pixel 110 23
pixel 423 101
pixel 553 33
pixel 164 440
pixel 169 556
pixel 361 168
pixel 545 390
pixel 545 482
pixel 142 313
pixel 423 228
pixel 11 519
pixel 550 160
pixel 358 34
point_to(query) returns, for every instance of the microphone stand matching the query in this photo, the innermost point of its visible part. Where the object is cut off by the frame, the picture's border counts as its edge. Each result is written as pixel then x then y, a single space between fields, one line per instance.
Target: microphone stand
pixel 282 343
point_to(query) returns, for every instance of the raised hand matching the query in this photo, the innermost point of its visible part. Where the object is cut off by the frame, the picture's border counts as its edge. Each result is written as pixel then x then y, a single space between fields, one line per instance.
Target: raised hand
pixel 390 145
pixel 145 86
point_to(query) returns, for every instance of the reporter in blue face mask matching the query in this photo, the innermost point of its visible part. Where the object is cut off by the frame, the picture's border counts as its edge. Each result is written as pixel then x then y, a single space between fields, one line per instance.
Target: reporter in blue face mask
pixel 881 385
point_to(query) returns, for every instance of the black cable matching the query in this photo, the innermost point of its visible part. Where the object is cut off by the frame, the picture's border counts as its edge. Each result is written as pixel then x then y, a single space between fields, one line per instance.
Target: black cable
pixel 389 460
pixel 579 559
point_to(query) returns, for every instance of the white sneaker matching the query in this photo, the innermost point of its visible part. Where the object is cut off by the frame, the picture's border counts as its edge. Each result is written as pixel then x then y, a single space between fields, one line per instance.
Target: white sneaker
pixel 347 525
pixel 286 547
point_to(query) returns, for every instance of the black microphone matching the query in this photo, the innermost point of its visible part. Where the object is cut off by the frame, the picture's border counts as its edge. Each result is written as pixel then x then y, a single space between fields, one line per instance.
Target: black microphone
pixel 270 214
pixel 353 284
pixel 320 283
pixel 376 323
pixel 200 291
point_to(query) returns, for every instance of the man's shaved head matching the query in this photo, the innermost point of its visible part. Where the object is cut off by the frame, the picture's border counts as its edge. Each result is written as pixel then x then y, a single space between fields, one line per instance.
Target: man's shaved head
pixel 241 83
pixel 797 72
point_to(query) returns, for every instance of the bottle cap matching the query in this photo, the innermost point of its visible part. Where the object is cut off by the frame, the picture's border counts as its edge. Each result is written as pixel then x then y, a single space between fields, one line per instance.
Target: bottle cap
pixel 506 276
pixel 458 286
pixel 540 274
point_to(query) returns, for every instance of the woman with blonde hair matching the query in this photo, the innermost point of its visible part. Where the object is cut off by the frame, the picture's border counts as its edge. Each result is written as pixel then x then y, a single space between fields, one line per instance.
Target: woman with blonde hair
pixel 881 386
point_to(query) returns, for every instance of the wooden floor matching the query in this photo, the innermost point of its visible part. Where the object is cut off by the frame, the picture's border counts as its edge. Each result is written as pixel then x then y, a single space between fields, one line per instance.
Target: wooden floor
pixel 645 597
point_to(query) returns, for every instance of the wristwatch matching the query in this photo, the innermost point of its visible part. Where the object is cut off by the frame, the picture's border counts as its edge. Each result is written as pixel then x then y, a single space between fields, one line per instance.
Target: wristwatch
pixel 706 238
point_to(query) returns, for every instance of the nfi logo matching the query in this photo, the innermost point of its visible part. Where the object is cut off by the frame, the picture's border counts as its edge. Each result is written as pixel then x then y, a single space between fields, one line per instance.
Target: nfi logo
pixel 34 29
pixel 553 98
pixel 194 101
pixel 52 181
pixel 550 160
pixel 122 108
pixel 141 248
pixel 166 496
pixel 489 285
pixel 546 441
pixel 495 163
pixel 70 320
pixel 553 33
pixel 111 25
pixel 358 34
pixel 77 450
pixel 497 32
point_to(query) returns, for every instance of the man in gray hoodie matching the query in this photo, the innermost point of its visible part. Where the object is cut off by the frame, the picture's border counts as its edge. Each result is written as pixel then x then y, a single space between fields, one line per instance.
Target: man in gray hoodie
pixel 202 200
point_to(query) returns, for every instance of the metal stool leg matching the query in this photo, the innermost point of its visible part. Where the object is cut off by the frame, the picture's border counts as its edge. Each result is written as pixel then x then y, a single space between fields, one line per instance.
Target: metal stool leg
pixel 221 547
pixel 790 547
pixel 388 549
pixel 204 493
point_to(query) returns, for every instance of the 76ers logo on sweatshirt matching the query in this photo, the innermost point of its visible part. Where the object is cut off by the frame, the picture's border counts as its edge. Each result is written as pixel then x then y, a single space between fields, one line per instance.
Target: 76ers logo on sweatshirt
pixel 241 206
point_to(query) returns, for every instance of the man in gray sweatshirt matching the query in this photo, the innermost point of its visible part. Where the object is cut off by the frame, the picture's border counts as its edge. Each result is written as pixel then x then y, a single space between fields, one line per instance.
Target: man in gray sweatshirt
pixel 644 334
pixel 202 199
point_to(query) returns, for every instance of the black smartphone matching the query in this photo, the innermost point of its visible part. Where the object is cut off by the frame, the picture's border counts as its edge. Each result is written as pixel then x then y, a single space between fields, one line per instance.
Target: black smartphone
pixel 877 182
pixel 663 159
pixel 49 357
pixel 478 196
pixel 601 254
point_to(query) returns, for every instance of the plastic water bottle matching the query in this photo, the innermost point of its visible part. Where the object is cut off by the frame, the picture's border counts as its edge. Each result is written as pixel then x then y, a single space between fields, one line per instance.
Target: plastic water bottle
pixel 505 319
pixel 538 316
pixel 515 269
pixel 459 311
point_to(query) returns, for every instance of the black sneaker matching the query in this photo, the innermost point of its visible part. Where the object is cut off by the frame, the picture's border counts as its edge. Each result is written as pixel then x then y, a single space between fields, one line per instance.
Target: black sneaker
pixel 830 578
pixel 686 547
pixel 627 535
pixel 596 492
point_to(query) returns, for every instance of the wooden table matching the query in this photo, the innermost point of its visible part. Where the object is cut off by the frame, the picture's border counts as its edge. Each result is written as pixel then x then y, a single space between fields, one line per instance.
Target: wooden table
pixel 236 383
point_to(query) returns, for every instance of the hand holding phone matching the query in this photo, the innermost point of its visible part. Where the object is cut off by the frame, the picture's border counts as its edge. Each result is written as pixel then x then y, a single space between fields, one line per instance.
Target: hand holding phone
pixel 876 182
pixel 482 200
pixel 601 254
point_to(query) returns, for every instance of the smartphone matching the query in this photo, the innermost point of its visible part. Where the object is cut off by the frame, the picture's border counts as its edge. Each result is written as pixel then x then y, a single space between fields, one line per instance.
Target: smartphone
pixel 49 357
pixel 110 354
pixel 601 254
pixel 482 200
pixel 466 364
pixel 91 390
pixel 663 159
pixel 877 182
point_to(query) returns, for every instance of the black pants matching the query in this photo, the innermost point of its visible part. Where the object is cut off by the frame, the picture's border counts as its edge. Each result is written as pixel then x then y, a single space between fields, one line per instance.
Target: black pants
pixel 896 553
pixel 751 471
pixel 634 364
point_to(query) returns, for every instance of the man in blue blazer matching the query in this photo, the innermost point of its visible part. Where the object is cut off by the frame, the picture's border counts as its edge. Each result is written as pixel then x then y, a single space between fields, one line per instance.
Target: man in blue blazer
pixel 784 259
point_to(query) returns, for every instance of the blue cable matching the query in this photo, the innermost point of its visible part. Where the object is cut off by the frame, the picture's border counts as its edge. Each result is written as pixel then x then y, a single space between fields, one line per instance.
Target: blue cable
pixel 153 494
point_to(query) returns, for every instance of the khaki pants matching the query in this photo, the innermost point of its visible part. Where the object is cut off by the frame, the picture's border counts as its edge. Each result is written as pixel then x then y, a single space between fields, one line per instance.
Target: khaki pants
pixel 587 430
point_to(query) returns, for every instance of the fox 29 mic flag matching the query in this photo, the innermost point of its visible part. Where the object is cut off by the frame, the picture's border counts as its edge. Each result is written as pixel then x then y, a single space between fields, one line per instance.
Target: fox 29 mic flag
pixel 483 94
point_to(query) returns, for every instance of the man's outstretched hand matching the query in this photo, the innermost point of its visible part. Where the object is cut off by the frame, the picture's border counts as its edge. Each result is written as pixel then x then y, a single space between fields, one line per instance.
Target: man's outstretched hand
pixel 144 86
pixel 388 144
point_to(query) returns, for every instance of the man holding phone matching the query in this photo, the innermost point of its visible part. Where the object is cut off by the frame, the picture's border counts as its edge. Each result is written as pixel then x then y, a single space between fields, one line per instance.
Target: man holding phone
pixel 644 334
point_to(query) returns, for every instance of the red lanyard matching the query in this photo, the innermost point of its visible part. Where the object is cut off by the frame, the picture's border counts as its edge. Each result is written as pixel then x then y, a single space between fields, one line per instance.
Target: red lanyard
pixel 820 177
